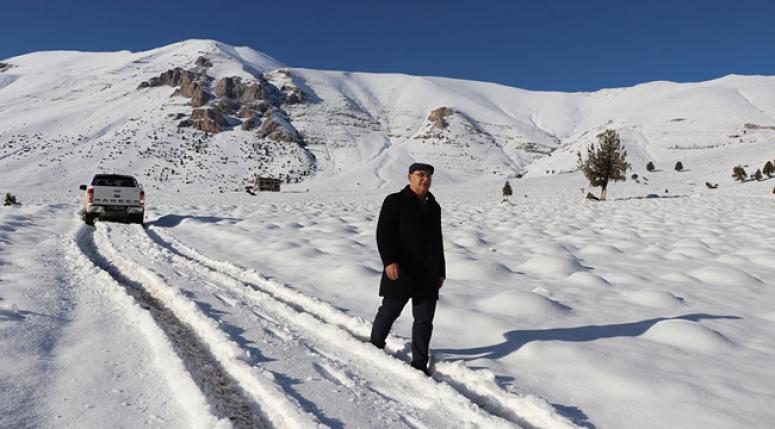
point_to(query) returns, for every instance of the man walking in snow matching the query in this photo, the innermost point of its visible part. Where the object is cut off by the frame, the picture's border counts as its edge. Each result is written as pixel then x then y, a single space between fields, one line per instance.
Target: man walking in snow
pixel 410 246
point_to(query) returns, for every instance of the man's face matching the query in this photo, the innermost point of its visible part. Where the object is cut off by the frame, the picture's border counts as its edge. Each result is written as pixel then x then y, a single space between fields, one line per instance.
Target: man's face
pixel 420 182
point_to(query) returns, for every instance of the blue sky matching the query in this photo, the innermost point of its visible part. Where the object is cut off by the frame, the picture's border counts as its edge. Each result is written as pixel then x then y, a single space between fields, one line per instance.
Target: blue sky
pixel 563 45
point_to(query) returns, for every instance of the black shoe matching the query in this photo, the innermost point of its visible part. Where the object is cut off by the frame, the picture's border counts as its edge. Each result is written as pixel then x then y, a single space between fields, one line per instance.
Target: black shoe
pixel 422 368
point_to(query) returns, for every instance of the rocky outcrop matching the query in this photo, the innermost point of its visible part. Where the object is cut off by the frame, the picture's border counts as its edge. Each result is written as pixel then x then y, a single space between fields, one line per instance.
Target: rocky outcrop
pixel 193 86
pixel 248 92
pixel 231 96
pixel 250 123
pixel 295 95
pixel 190 84
pixel 207 119
pixel 437 116
pixel 227 106
pixel 262 108
pixel 225 87
pixel 245 112
pixel 203 62
pixel 4 67
pixel 277 127
pixel 254 109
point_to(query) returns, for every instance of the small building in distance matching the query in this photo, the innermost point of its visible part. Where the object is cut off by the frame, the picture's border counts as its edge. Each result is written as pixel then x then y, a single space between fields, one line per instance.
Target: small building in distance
pixel 266 184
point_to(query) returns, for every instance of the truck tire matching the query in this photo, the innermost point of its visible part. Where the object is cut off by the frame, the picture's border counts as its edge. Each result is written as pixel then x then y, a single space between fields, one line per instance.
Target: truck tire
pixel 88 219
pixel 138 219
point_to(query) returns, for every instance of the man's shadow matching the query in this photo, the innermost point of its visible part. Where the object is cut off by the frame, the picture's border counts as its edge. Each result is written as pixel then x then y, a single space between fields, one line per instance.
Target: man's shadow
pixel 515 339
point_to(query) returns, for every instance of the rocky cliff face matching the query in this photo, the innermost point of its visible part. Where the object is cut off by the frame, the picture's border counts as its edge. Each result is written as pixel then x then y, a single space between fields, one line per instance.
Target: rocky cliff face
pixel 188 83
pixel 232 100
pixel 437 116
pixel 278 127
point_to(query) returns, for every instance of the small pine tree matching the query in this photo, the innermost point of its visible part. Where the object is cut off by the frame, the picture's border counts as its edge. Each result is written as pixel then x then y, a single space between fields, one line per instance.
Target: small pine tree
pixel 605 162
pixel 650 166
pixel 507 191
pixel 739 173
pixel 758 174
pixel 10 200
pixel 679 166
pixel 769 169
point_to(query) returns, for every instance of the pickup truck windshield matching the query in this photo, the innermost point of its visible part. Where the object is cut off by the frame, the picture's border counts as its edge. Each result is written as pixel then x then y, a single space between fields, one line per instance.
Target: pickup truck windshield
pixel 114 181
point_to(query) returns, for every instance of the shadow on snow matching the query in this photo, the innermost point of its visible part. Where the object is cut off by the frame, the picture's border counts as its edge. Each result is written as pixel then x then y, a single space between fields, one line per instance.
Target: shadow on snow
pixel 515 339
pixel 168 221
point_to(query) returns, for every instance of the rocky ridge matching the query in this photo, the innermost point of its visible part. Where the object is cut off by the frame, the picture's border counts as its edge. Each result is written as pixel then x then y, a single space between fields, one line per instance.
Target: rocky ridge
pixel 230 101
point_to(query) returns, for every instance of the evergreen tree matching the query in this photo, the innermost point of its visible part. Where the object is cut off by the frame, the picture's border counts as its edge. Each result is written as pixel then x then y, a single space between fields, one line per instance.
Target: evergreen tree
pixel 739 173
pixel 10 200
pixel 606 161
pixel 679 166
pixel 507 190
pixel 650 166
pixel 769 169
pixel 758 174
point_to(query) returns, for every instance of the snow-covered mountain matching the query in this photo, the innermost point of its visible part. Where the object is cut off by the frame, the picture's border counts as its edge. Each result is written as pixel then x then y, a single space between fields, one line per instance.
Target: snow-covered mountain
pixel 201 114
pixel 232 310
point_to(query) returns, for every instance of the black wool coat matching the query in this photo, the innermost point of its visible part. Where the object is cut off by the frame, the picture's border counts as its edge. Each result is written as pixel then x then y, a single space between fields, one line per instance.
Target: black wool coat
pixel 411 236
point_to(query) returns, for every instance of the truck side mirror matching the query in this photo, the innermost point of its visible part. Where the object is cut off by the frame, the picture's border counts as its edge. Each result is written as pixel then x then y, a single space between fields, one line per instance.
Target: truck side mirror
pixel 82 187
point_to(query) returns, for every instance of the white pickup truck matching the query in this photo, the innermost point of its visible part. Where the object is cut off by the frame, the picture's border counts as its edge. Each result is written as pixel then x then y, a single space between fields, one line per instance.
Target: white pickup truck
pixel 113 197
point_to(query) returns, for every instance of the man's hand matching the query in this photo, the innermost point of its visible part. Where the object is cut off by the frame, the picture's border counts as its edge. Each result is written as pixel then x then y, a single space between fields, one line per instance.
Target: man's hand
pixel 441 282
pixel 392 271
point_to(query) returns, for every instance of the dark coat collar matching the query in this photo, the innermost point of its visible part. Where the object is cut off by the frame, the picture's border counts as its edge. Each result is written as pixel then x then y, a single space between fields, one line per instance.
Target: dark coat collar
pixel 409 194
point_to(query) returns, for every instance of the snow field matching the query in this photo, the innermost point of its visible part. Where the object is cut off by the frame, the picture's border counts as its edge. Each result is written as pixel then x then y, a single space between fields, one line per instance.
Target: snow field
pixel 624 299
pixel 30 315
pixel 295 312
pixel 477 385
pixel 300 318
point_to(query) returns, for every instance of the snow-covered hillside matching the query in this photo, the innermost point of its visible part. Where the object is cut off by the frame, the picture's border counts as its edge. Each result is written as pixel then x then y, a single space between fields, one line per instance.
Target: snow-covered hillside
pixel 201 114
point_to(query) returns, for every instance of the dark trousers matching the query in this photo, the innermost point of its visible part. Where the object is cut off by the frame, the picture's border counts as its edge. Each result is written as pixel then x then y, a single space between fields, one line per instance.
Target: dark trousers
pixel 422 311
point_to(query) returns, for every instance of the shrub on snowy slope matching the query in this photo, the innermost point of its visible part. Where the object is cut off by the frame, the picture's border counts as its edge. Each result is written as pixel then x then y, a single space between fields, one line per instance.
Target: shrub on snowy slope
pixel 10 200
pixel 507 191
pixel 769 169
pixel 739 173
pixel 605 162
pixel 679 166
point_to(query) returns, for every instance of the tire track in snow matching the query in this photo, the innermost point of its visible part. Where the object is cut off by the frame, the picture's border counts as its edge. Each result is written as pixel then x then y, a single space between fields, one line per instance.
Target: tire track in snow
pixel 478 387
pixel 248 394
pixel 401 390
pixel 81 257
pixel 222 392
